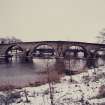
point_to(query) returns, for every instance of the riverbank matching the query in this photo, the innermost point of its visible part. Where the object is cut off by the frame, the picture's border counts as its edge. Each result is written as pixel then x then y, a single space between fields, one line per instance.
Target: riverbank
pixel 86 88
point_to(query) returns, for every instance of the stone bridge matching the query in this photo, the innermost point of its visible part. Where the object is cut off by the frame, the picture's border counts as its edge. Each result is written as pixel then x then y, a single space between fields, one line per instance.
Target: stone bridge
pixel 59 48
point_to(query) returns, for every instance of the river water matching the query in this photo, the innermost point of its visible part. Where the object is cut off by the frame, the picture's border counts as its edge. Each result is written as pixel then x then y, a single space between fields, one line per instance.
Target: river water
pixel 22 74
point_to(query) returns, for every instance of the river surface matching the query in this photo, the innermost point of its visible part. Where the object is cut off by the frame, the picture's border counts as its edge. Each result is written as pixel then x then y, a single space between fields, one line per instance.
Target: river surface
pixel 22 74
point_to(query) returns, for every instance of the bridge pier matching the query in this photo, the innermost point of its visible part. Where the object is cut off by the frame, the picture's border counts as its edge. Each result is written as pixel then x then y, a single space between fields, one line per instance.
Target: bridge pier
pixel 26 59
pixel 75 54
pixel 59 65
pixel 91 60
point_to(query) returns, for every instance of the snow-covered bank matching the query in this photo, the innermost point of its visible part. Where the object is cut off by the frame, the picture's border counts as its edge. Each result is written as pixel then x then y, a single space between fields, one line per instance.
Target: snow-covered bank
pixel 87 88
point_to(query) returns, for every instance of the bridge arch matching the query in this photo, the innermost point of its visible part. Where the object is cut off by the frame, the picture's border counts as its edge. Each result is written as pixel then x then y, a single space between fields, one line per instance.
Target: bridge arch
pixel 100 56
pixel 76 51
pixel 96 57
pixel 43 50
pixel 100 52
pixel 13 52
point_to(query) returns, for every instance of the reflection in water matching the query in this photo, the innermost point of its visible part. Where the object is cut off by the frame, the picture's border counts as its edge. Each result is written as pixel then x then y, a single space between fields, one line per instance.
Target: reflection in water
pixel 75 65
pixel 41 64
pixel 100 61
pixel 24 73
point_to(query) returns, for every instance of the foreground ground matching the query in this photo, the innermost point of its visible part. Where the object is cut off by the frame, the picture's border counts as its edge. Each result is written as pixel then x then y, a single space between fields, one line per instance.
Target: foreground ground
pixel 87 88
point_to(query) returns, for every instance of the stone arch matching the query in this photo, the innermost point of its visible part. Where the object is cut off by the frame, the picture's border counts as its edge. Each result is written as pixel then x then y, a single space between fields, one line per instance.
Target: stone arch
pixel 72 50
pixel 44 49
pixel 11 46
pixel 99 56
pixel 13 51
pixel 99 52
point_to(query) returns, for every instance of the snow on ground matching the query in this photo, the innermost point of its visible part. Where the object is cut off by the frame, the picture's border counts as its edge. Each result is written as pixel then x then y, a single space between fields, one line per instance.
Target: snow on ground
pixel 84 89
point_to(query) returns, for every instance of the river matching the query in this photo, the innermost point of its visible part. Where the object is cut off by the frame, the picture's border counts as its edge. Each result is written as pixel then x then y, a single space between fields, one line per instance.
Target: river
pixel 24 74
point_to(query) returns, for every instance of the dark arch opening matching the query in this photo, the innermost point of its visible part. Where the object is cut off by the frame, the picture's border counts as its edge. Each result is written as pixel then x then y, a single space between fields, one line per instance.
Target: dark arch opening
pixel 99 56
pixel 13 53
pixel 100 52
pixel 75 52
pixel 43 51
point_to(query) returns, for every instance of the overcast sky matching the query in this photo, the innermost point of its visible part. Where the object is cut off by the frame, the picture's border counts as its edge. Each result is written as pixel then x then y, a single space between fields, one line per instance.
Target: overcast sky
pixel 31 20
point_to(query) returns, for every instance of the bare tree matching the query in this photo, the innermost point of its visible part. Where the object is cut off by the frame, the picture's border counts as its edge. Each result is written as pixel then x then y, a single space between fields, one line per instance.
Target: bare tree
pixel 101 37
pixel 50 83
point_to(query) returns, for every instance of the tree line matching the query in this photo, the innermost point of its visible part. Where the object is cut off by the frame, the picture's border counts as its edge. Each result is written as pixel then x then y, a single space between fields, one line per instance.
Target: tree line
pixel 8 40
